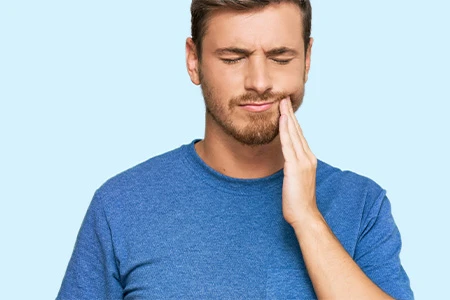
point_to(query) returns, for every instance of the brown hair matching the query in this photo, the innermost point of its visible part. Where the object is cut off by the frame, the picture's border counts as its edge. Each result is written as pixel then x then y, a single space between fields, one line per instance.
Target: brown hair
pixel 201 10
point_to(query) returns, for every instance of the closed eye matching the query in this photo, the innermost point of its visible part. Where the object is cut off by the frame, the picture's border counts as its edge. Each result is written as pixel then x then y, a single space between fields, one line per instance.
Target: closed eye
pixel 282 61
pixel 231 61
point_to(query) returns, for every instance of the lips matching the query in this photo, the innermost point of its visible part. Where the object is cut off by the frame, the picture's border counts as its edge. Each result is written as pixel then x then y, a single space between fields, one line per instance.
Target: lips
pixel 257 107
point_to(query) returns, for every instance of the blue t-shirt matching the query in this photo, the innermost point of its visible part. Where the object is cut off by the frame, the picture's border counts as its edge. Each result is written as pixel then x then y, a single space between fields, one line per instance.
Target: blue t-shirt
pixel 173 228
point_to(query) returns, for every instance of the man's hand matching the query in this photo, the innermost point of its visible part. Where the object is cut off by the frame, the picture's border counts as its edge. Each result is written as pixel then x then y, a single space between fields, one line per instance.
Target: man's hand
pixel 299 185
pixel 333 272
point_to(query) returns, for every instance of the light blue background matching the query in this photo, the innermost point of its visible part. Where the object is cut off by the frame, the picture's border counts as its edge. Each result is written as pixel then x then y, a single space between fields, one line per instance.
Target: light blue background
pixel 91 88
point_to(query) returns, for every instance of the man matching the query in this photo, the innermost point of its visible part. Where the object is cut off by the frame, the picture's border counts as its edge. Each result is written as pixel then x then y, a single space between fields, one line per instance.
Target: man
pixel 248 212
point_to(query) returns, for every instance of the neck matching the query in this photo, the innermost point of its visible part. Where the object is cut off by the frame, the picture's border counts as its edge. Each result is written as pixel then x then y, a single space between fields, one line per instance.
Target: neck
pixel 226 155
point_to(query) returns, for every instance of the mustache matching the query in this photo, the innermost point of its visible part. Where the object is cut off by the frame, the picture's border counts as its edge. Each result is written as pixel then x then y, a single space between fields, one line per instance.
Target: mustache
pixel 255 98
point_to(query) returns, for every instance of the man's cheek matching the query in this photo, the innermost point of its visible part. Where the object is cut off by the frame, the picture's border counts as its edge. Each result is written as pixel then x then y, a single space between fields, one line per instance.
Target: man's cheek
pixel 296 99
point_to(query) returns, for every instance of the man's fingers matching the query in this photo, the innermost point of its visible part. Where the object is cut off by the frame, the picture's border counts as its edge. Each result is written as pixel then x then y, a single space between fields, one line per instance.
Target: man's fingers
pixel 291 111
pixel 296 141
pixel 299 130
pixel 286 108
pixel 286 142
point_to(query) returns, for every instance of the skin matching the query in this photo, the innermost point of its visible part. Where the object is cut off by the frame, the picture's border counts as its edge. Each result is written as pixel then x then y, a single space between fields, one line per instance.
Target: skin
pixel 257 72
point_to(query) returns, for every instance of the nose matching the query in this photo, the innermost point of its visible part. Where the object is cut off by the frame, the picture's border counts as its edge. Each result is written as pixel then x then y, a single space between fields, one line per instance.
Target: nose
pixel 258 78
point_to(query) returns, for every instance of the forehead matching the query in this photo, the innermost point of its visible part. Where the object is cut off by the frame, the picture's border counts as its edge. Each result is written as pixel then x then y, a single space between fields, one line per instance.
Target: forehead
pixel 275 25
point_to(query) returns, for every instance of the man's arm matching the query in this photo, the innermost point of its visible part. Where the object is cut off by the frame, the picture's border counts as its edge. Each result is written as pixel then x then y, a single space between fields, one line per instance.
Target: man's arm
pixel 333 272
pixel 92 272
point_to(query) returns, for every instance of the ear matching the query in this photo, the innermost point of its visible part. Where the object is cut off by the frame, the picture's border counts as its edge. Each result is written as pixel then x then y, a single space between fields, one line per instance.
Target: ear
pixel 192 62
pixel 308 58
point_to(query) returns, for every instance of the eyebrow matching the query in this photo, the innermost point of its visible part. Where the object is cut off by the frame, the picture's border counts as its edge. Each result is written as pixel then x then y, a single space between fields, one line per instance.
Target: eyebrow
pixel 282 50
pixel 233 50
pixel 272 52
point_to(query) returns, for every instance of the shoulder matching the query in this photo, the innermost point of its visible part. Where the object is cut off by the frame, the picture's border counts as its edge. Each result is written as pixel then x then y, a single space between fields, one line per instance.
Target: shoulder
pixel 327 174
pixel 348 186
pixel 153 172
pixel 331 177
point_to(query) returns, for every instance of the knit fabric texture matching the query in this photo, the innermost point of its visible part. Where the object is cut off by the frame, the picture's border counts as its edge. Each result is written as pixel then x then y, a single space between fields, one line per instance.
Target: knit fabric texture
pixel 174 228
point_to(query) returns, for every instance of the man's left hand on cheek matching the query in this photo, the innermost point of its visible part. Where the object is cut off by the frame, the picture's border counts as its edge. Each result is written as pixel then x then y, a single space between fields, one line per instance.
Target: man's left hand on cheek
pixel 299 184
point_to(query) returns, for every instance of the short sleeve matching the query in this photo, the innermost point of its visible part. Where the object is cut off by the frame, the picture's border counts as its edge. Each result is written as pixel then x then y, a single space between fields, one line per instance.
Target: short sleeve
pixel 378 249
pixel 92 272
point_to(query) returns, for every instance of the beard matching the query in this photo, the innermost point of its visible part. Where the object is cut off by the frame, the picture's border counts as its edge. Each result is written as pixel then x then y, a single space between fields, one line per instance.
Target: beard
pixel 260 128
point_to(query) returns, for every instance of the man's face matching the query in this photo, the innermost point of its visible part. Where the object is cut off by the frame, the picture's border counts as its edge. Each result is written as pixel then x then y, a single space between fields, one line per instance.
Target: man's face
pixel 250 61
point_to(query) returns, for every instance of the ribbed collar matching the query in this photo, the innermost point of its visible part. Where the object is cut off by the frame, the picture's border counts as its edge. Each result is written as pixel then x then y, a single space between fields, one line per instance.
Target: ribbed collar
pixel 225 183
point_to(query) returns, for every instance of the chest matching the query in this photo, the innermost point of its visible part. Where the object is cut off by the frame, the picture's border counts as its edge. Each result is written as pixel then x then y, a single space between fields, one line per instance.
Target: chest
pixel 192 246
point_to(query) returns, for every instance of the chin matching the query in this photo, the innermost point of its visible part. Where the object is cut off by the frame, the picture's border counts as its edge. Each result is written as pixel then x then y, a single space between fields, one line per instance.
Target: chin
pixel 256 133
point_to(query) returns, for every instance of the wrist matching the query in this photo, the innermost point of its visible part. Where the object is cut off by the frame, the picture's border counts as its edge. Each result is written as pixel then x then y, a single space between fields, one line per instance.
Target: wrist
pixel 311 222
